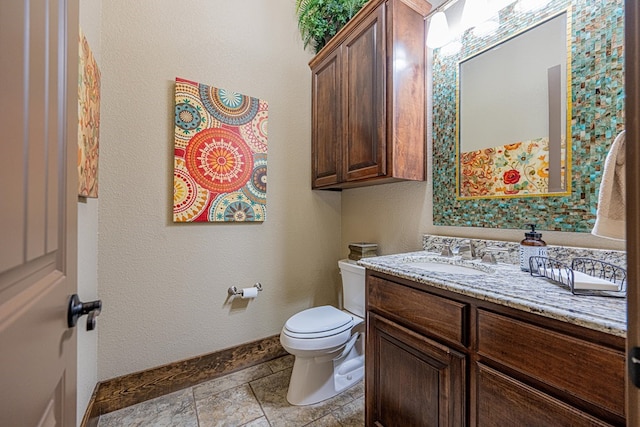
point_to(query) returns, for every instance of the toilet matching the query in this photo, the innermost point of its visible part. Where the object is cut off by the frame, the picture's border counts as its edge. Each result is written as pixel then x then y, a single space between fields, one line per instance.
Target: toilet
pixel 328 343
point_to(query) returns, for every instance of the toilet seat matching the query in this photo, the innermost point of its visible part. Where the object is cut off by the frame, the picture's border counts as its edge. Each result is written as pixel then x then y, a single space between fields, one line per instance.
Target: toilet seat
pixel 318 322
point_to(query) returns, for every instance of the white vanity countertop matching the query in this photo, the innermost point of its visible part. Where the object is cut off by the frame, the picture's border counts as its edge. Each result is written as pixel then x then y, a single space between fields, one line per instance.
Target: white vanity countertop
pixel 509 286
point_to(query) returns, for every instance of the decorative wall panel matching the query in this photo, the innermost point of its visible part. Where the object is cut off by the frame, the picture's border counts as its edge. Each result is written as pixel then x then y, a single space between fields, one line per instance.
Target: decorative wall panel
pixel 220 155
pixel 88 120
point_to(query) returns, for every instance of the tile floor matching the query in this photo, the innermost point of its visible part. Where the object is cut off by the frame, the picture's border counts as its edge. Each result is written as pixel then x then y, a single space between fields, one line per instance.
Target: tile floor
pixel 253 397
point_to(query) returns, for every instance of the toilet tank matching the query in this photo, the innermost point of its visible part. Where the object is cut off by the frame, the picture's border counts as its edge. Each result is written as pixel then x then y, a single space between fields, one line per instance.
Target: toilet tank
pixel 352 286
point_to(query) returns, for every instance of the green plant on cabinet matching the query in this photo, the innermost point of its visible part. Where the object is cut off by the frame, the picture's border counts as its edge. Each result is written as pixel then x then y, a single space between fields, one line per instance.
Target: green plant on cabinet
pixel 319 20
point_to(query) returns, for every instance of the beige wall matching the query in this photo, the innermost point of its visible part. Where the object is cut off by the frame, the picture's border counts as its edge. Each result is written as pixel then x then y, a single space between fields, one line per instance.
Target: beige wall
pixel 88 242
pixel 397 215
pixel 164 285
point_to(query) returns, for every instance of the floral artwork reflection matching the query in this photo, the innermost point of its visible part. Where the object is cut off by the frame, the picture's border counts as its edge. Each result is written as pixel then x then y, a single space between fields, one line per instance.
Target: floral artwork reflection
pixel 520 168
pixel 220 155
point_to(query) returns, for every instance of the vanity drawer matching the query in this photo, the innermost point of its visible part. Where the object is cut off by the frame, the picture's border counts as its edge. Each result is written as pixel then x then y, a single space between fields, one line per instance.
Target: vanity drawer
pixel 589 371
pixel 423 312
pixel 504 401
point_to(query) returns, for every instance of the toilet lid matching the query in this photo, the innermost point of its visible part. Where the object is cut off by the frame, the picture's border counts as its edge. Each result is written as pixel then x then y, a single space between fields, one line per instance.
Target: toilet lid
pixel 318 319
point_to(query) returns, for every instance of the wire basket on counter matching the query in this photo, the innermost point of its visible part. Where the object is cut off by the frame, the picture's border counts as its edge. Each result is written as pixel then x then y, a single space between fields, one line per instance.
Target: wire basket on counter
pixel 585 276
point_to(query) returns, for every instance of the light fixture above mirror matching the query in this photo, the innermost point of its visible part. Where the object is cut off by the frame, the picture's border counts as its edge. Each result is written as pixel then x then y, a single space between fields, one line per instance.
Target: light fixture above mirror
pixel 480 15
pixel 439 34
pixel 476 12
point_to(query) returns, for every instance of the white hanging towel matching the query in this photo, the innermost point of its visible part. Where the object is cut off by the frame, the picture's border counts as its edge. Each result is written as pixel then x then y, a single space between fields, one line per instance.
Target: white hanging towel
pixel 610 216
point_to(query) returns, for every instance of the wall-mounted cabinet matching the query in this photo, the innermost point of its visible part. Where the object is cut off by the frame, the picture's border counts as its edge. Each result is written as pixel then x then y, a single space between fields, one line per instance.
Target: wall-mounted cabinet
pixel 369 99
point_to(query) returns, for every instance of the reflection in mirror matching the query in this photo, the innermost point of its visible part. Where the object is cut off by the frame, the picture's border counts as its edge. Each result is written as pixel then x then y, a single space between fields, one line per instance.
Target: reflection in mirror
pixel 514 116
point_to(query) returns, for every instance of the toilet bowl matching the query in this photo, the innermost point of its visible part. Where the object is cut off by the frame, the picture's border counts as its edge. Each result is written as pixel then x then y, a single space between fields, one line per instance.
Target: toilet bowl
pixel 328 343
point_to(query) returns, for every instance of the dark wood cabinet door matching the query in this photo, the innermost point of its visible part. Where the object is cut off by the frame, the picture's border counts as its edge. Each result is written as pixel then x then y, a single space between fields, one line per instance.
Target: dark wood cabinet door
pixel 326 140
pixel 369 98
pixel 412 380
pixel 504 401
pixel 363 105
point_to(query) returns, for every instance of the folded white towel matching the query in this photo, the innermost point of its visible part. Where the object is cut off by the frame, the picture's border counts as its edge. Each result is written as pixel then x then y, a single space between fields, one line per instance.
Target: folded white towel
pixel 610 216
pixel 585 281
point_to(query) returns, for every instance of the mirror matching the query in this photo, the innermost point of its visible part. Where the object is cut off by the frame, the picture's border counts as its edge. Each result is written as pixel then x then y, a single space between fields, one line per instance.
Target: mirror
pixel 597 103
pixel 514 116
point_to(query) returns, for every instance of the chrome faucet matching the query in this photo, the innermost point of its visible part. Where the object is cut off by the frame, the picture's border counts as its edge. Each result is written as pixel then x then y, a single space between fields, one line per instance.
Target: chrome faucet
pixel 466 250
pixel 489 256
pixel 446 250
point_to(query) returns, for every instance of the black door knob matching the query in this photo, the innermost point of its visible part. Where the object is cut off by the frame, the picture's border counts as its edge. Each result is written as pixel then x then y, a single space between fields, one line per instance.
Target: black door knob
pixel 78 308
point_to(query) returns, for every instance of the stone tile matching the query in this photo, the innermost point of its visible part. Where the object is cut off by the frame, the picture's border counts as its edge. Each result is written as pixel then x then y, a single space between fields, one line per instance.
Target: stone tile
pixel 355 392
pixel 271 392
pixel 230 381
pixel 260 422
pixel 233 407
pixel 351 414
pixel 347 396
pixel 120 417
pixel 326 421
pixel 134 388
pixel 170 410
pixel 253 397
pixel 281 363
pixel 178 409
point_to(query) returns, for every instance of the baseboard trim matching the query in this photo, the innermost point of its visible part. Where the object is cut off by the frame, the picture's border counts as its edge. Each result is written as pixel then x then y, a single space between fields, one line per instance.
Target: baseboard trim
pixel 90 419
pixel 130 389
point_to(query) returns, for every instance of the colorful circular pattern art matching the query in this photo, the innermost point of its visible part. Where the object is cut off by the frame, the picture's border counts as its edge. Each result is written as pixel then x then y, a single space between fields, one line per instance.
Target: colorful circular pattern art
pixel 235 207
pixel 187 117
pixel 255 132
pixel 189 199
pixel 229 107
pixel 187 94
pixel 219 160
pixel 256 188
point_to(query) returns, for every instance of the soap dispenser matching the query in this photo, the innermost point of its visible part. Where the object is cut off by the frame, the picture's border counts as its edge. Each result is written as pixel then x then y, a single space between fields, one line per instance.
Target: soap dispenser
pixel 532 245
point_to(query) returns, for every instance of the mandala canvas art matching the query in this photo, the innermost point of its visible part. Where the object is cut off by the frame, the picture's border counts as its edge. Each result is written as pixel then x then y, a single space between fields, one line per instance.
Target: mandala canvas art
pixel 88 120
pixel 220 155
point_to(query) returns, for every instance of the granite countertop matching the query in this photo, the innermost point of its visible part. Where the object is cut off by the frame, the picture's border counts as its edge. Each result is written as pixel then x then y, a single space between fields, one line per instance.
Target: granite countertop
pixel 507 285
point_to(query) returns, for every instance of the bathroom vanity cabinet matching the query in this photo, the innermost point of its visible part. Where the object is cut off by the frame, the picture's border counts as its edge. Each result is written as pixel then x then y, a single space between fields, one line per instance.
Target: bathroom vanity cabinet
pixel 369 98
pixel 439 358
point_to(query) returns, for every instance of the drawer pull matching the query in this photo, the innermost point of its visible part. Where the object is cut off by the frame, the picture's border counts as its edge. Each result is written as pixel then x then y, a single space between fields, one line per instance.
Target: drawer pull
pixel 634 366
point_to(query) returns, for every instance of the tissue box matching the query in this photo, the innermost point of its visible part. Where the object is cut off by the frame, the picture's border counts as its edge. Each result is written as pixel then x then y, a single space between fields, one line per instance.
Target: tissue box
pixel 362 250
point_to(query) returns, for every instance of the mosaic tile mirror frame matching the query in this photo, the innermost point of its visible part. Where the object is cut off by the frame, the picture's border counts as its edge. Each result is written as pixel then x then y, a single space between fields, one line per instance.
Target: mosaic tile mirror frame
pixel 597 112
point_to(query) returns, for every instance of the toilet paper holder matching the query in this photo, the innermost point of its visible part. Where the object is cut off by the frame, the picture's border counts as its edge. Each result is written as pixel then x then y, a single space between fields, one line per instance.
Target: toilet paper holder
pixel 234 291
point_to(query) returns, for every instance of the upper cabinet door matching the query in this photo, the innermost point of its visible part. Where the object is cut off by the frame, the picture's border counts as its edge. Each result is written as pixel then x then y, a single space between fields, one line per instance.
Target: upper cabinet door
pixel 369 99
pixel 407 103
pixel 364 106
pixel 326 113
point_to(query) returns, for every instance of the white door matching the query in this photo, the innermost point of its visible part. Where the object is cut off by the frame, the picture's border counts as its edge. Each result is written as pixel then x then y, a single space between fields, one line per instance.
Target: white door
pixel 38 232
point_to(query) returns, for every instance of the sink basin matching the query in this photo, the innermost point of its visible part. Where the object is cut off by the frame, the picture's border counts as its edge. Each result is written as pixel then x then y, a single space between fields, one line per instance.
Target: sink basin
pixel 440 267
